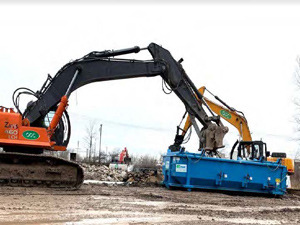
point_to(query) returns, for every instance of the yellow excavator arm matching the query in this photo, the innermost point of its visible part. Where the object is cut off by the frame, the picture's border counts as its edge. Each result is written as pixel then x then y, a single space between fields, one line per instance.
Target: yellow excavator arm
pixel 231 116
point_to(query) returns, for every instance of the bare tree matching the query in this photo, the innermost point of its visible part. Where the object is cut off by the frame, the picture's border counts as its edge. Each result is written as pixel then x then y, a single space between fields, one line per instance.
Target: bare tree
pixel 297 155
pixel 102 157
pixel 297 80
pixel 144 161
pixel 297 103
pixel 297 71
pixel 90 140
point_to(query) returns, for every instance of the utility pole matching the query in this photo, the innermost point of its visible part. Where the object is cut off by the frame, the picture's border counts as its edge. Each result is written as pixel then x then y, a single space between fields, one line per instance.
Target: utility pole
pixel 100 130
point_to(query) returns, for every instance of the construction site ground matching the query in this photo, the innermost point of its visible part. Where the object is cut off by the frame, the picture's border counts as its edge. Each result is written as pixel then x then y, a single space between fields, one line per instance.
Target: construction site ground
pixel 102 204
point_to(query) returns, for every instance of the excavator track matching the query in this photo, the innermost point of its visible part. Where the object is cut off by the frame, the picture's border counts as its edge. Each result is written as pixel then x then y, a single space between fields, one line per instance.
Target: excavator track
pixel 29 170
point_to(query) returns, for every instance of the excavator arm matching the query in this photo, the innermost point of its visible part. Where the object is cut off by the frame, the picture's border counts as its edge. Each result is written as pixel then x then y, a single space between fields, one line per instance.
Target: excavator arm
pixel 228 114
pixel 102 66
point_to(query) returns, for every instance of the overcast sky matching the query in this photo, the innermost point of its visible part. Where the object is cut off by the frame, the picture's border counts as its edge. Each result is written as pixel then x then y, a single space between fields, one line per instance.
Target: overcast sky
pixel 244 53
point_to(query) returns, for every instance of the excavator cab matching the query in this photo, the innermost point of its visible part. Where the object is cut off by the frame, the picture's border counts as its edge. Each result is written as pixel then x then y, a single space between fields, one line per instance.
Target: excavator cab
pixel 250 150
pixel 257 151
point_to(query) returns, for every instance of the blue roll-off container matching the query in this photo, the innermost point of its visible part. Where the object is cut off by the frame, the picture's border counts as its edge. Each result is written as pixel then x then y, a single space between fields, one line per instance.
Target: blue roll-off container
pixel 194 170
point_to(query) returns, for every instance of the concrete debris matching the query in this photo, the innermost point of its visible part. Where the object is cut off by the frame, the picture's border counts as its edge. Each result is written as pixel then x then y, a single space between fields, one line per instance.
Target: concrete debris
pixel 145 177
pixel 104 173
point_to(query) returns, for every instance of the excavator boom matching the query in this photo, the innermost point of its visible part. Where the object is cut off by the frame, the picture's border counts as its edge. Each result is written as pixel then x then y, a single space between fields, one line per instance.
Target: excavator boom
pixel 25 134
pixel 231 116
pixel 98 66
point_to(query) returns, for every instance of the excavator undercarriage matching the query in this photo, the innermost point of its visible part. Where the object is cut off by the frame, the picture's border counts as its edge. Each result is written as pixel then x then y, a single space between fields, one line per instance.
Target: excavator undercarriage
pixel 29 170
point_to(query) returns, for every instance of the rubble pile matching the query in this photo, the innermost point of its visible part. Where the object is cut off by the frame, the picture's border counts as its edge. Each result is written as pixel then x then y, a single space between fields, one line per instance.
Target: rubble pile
pixel 103 173
pixel 145 177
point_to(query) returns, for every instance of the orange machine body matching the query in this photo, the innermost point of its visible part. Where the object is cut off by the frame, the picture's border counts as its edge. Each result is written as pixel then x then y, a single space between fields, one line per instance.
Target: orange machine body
pixel 288 162
pixel 14 132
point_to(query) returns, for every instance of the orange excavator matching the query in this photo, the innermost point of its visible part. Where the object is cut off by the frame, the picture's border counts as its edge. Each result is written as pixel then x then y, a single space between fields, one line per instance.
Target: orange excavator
pixel 124 156
pixel 45 125
pixel 238 120
pixel 121 161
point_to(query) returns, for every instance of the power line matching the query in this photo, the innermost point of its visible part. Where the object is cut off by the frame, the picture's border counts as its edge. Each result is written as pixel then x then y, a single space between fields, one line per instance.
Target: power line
pixel 123 124
pixel 135 126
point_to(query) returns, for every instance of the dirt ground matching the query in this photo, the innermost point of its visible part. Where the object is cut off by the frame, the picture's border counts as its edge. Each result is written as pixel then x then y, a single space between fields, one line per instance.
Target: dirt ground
pixel 100 204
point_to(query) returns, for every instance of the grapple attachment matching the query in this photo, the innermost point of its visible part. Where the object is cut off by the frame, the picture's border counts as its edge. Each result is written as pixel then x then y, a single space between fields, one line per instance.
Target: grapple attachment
pixel 212 137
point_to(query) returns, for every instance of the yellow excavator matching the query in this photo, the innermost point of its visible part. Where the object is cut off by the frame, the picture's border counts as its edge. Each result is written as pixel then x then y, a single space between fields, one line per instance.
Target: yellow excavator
pixel 238 120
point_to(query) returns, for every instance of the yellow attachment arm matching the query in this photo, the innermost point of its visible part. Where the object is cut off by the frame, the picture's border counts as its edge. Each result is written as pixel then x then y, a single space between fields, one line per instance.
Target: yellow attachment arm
pixel 235 119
